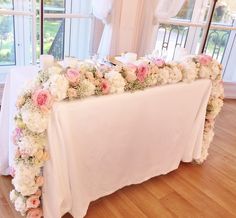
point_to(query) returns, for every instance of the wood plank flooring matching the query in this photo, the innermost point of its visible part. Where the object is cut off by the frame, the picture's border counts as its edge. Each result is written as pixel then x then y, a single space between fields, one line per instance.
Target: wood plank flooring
pixel 190 191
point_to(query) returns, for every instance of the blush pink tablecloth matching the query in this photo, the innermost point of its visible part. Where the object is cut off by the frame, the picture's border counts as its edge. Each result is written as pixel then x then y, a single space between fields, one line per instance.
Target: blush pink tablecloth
pixel 101 144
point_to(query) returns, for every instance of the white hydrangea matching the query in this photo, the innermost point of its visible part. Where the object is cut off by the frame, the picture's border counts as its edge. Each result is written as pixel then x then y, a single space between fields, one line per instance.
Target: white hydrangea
pixel 175 74
pixel 35 120
pixel 58 86
pixel 86 88
pixel 20 205
pixel 24 180
pixel 31 144
pixel 189 71
pixel 30 86
pixel 163 76
pixel 116 80
pixel 13 196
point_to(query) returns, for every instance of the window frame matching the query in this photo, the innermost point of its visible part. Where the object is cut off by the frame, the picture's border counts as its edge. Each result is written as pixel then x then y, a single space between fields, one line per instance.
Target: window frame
pixel 24 30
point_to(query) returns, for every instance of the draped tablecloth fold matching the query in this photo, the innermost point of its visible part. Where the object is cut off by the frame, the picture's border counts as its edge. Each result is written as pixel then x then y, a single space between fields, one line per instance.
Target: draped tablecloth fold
pixel 101 144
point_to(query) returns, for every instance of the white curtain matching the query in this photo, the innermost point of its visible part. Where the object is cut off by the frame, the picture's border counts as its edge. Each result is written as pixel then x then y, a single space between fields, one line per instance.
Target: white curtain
pixel 168 8
pixel 108 11
pixel 156 10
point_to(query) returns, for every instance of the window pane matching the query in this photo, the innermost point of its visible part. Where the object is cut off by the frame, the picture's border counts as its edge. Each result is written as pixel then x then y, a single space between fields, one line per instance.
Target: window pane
pixel 54 37
pixel 6 4
pixel 7 45
pixel 225 12
pixel 54 6
pixel 187 10
pixel 169 38
pixel 216 43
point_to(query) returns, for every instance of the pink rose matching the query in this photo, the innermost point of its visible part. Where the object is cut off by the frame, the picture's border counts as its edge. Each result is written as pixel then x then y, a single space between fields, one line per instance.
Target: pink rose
pixel 42 99
pixel 142 72
pixel 16 135
pixel 33 201
pixel 40 181
pixel 105 86
pixel 159 62
pixel 73 75
pixel 204 59
pixel 35 213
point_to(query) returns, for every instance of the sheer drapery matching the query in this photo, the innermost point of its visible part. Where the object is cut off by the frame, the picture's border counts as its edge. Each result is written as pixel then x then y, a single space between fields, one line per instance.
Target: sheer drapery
pixel 108 11
pixel 168 8
pixel 153 11
pixel 121 25
pixel 142 19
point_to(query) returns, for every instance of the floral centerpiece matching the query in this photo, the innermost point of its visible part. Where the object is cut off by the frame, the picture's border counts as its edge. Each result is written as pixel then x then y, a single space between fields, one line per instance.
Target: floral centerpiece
pixel 82 80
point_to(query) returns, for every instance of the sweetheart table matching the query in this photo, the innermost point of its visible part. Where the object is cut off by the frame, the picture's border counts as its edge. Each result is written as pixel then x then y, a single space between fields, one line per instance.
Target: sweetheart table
pixel 98 145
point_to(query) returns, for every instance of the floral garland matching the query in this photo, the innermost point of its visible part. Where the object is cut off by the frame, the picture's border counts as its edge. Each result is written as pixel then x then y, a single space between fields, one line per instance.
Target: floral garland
pixel 85 79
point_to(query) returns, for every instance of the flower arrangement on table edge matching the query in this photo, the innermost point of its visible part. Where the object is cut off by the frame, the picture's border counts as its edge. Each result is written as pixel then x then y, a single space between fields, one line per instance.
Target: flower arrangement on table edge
pixel 82 80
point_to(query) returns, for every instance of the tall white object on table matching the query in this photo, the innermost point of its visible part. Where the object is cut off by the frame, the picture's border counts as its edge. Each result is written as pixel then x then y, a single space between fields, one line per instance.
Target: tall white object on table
pixel 16 80
pixel 101 144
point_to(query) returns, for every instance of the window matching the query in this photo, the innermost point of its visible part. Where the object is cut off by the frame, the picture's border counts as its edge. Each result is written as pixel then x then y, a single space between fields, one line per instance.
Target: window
pixel 7 35
pixel 186 30
pixel 186 11
pixel 67 30
pixel 171 35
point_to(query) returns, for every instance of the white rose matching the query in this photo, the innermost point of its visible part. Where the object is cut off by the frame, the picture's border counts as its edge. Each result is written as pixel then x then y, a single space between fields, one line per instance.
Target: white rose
pixel 13 196
pixel 116 80
pixel 204 72
pixel 189 71
pixel 20 205
pixel 35 120
pixel 58 86
pixel 131 76
pixel 175 74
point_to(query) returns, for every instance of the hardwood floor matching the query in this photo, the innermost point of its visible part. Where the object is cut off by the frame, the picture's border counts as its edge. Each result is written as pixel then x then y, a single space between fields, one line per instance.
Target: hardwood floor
pixel 192 191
